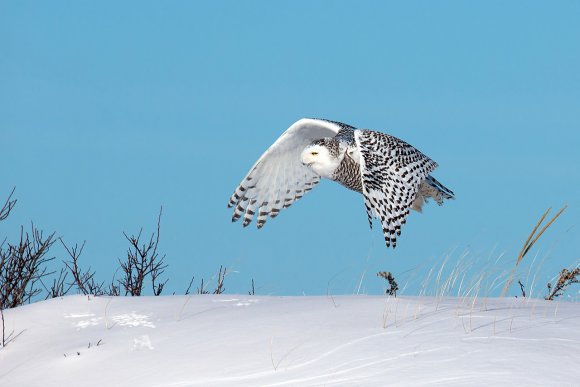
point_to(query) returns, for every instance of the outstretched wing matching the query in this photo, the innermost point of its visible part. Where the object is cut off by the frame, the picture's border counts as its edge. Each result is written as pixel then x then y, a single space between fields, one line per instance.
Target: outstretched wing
pixel 391 172
pixel 279 178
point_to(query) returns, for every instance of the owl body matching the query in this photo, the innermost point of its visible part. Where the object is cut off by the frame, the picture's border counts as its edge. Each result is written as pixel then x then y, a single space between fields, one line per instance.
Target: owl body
pixel 392 176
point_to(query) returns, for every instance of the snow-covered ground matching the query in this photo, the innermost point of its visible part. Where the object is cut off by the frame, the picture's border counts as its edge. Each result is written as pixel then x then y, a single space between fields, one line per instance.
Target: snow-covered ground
pixel 230 340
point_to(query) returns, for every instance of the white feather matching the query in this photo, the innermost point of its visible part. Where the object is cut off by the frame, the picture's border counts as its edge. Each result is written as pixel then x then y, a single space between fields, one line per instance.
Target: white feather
pixel 279 173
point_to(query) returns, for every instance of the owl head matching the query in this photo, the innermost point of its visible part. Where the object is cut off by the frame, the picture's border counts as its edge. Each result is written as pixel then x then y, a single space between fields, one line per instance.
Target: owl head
pixel 322 156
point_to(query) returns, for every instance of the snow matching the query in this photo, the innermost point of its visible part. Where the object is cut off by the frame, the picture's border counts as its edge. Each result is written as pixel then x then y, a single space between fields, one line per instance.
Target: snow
pixel 225 340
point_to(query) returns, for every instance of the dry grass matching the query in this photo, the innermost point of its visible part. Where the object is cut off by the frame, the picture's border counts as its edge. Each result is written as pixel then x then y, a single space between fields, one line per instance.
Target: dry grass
pixel 565 279
pixel 529 243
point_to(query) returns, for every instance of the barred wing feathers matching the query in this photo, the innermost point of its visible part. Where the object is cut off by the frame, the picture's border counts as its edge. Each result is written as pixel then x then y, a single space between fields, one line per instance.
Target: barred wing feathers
pixel 391 172
pixel 279 178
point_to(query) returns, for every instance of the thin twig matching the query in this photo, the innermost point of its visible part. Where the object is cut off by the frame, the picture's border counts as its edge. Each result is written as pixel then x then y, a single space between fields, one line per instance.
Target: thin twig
pixel 8 206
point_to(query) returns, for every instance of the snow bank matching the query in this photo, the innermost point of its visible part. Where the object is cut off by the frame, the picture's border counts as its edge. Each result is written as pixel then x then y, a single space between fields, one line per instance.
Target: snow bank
pixel 295 341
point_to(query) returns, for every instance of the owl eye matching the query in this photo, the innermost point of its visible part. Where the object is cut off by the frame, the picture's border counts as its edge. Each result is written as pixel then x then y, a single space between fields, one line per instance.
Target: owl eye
pixel 313 153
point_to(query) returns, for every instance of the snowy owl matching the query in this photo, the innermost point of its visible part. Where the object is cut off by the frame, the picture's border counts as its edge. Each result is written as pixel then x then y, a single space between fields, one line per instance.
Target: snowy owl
pixel 391 175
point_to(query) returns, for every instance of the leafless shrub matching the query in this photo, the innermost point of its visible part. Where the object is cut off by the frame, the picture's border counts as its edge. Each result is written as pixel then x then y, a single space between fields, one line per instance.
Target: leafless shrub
pixel 3 328
pixel 393 286
pixel 143 261
pixel 253 291
pixel 4 212
pixel 113 290
pixel 187 291
pixel 219 288
pixel 522 288
pixel 565 279
pixel 8 206
pixel 7 338
pixel 201 289
pixel 220 281
pixel 83 281
pixel 22 266
pixel 59 287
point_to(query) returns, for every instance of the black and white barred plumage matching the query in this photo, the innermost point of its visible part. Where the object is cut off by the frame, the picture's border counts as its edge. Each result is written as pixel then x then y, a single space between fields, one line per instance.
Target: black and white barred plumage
pixel 392 176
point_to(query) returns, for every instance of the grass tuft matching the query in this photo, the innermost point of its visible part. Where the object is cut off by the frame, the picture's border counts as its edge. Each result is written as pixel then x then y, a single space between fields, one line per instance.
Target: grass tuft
pixel 529 243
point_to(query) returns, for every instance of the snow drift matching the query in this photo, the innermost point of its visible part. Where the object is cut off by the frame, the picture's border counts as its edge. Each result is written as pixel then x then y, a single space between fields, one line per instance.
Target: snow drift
pixel 296 341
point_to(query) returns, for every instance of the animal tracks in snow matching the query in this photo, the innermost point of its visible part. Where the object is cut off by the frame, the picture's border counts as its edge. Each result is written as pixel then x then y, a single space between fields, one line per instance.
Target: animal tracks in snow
pixel 132 319
pixel 83 320
pixel 238 301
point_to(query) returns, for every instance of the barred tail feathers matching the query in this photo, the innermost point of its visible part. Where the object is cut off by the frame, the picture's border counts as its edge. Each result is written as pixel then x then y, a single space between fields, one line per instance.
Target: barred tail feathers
pixel 431 188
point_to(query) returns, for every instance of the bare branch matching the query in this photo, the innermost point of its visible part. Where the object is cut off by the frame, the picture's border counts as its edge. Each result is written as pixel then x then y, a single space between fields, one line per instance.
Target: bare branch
pixel 522 288
pixel 7 338
pixel 59 286
pixel 3 328
pixel 8 206
pixel 189 286
pixel 142 261
pixel 22 266
pixel 201 289
pixel 84 281
pixel 253 291
pixel 220 281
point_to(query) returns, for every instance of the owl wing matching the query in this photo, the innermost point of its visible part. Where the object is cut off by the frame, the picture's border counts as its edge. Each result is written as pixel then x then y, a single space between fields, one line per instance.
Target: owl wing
pixel 279 178
pixel 391 171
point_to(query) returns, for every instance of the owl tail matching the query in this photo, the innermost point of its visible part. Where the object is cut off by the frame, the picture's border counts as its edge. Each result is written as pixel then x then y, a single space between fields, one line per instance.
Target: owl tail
pixel 431 188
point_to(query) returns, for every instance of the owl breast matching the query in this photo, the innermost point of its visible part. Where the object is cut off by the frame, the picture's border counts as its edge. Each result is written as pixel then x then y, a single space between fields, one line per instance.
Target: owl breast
pixel 348 174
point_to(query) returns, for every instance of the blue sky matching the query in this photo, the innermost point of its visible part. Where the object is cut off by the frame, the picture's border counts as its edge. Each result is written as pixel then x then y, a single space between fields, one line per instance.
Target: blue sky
pixel 110 109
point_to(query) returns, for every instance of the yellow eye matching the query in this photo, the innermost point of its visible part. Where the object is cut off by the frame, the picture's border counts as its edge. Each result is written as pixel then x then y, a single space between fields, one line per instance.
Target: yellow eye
pixel 313 153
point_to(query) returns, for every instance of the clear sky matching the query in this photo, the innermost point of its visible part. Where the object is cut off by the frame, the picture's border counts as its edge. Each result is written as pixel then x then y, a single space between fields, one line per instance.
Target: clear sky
pixel 110 109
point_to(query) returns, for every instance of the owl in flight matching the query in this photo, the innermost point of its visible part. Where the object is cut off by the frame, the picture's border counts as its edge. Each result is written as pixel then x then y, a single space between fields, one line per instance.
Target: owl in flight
pixel 392 176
